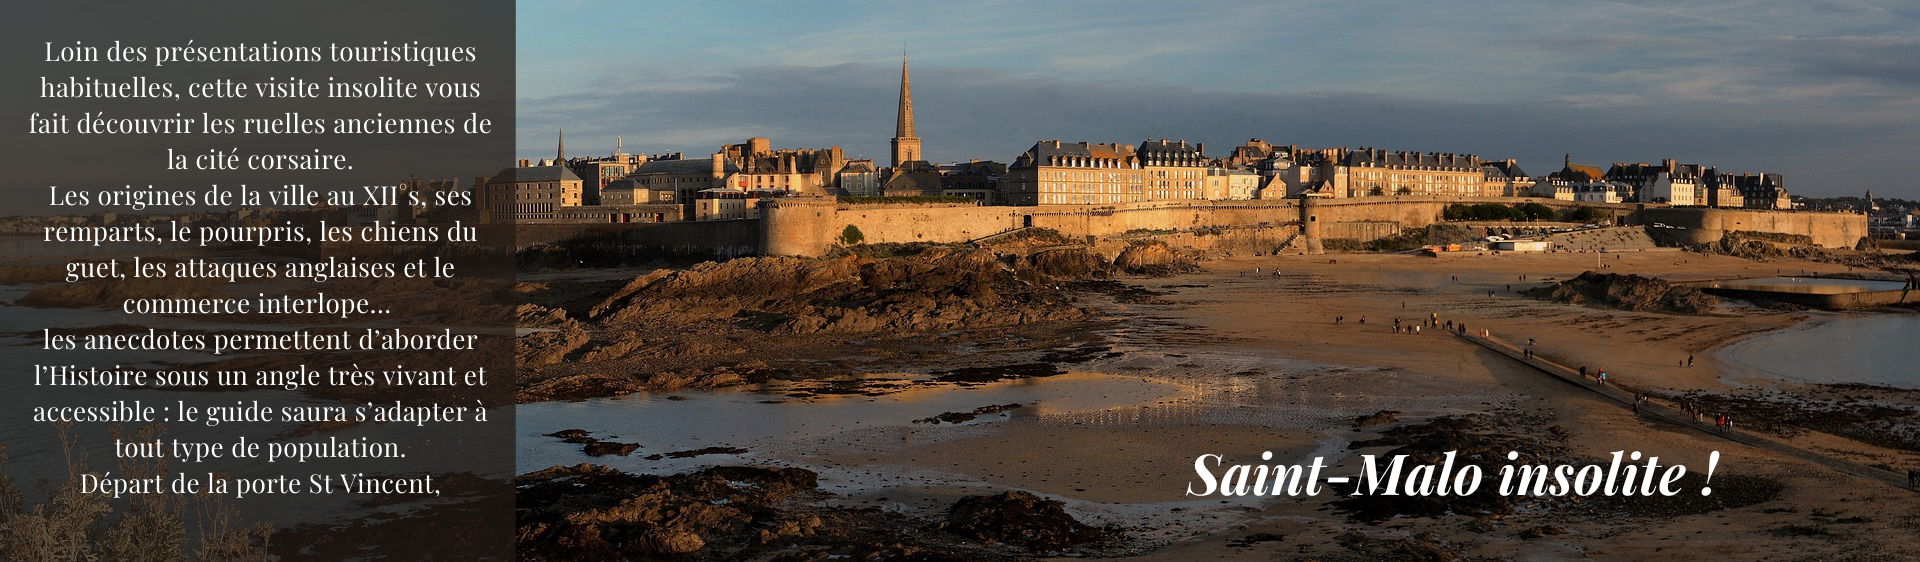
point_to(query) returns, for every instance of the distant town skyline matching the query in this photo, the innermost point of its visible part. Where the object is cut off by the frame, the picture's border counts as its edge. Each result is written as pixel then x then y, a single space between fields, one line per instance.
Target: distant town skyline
pixel 1827 94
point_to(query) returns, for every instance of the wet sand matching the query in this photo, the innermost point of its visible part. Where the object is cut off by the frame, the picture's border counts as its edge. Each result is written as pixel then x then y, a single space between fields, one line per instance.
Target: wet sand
pixel 1821 513
pixel 1265 367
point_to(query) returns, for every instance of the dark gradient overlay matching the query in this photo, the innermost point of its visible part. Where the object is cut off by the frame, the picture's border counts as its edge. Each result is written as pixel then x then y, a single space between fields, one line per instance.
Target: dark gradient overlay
pixel 467 462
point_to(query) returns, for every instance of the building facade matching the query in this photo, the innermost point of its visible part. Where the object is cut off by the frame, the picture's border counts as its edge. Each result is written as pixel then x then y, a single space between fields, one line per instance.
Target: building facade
pixel 530 193
pixel 1057 173
pixel 1173 170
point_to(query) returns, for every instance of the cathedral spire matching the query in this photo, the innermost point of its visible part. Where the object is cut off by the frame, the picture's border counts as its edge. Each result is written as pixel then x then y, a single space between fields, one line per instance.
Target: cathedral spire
pixel 904 128
pixel 906 145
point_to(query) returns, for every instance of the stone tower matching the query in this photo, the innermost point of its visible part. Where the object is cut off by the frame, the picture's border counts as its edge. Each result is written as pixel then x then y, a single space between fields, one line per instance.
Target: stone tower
pixel 906 145
pixel 560 152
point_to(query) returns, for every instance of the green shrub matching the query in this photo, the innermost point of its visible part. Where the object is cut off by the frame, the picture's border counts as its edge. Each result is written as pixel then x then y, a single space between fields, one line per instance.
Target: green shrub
pixel 851 235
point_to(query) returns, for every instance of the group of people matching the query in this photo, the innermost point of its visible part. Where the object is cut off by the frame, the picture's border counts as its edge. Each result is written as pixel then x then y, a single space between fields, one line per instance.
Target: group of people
pixel 1599 376
pixel 1722 421
pixel 1433 321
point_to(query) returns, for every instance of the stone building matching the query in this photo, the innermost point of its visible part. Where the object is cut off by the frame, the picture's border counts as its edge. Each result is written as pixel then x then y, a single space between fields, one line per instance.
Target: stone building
pixel 1681 185
pixel 1572 178
pixel 1504 178
pixel 1173 170
pixel 627 191
pixel 530 193
pixel 1057 173
pixel 1760 191
pixel 731 204
pixel 976 179
pixel 805 170
pixel 913 178
pixel 906 143
pixel 684 178
pixel 858 178
pixel 1248 155
pixel 1369 172
pixel 910 175
pixel 1290 172
pixel 1373 173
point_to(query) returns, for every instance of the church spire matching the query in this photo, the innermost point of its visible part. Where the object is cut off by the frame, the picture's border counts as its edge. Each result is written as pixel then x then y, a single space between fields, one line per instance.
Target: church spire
pixel 905 127
pixel 906 145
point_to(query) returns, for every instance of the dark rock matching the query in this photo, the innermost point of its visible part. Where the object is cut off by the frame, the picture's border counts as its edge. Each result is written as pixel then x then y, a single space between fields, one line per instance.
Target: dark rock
pixel 1018 518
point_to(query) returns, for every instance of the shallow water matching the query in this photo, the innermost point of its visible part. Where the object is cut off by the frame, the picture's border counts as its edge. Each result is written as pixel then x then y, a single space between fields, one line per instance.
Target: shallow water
pixel 786 418
pixel 1839 348
pixel 1808 285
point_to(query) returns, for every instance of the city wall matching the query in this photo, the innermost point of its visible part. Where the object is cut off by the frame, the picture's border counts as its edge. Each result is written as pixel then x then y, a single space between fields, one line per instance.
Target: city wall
pixel 1828 230
pixel 809 227
pixel 718 239
pixel 812 226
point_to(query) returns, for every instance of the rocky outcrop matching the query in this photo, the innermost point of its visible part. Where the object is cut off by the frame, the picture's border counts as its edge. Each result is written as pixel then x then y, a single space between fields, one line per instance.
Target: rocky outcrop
pixel 936 290
pixel 589 512
pixel 1018 518
pixel 1627 292
pixel 1153 258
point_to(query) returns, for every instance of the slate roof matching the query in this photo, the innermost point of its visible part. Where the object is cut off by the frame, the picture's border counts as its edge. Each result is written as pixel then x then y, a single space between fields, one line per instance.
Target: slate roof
pixel 535 173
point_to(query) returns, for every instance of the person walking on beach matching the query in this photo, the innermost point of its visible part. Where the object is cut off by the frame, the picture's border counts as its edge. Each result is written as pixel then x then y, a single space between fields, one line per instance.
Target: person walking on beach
pixel 1689 360
pixel 1339 319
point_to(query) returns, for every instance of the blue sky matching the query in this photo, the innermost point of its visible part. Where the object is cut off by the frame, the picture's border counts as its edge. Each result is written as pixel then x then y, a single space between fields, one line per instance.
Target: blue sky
pixel 1825 92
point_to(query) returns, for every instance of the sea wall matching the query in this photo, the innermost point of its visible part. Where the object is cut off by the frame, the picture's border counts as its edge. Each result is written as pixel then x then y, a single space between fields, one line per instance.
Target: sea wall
pixel 810 227
pixel 1828 230
pixel 723 239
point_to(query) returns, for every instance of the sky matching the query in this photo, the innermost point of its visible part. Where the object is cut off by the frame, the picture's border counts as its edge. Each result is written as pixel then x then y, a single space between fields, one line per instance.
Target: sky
pixel 1825 92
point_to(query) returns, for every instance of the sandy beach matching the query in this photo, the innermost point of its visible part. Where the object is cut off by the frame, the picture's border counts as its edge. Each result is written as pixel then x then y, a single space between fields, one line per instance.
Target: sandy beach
pixel 1284 354
pixel 1639 350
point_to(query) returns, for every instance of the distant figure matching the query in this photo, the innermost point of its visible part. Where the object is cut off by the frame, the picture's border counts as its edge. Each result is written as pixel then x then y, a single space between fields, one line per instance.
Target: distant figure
pixel 1529 342
pixel 1913 477
pixel 1689 359
pixel 1339 319
pixel 1363 320
pixel 1583 371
